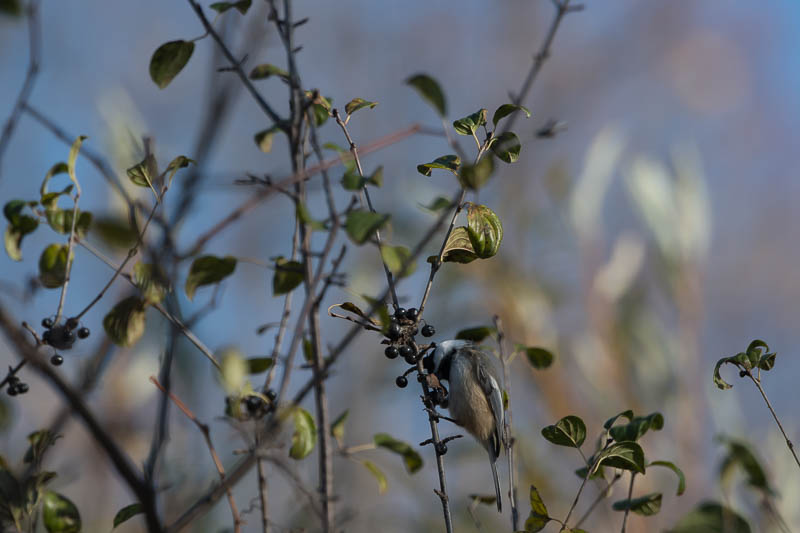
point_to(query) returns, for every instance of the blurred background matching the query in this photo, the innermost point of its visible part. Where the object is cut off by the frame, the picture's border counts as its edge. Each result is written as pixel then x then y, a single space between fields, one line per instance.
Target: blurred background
pixel 642 243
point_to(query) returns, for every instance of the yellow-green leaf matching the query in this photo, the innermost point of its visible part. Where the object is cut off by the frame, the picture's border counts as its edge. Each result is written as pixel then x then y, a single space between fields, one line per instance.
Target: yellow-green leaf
pixel 53 266
pixel 168 60
pixel 125 323
pixel 305 434
pixel 207 270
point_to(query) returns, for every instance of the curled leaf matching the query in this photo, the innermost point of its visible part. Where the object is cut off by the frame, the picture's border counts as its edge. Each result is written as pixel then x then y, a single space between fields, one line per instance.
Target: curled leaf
pixel 168 60
pixel 305 434
pixel 207 270
pixel 430 91
pixel 125 323
pixel 411 458
pixel 449 162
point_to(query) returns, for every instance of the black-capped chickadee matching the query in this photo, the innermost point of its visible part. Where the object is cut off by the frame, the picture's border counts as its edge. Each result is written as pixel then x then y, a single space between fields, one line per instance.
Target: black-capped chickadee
pixel 475 401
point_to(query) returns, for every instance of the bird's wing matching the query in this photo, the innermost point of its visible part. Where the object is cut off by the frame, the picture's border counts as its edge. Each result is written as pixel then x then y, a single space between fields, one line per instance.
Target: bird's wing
pixel 492 391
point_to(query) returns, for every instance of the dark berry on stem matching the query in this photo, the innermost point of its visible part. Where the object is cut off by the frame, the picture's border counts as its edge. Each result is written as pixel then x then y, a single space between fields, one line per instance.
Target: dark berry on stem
pixel 428 331
pixel 441 449
pixel 12 391
pixel 72 323
pixel 401 382
pixel 412 314
pixel 83 333
pixel 406 351
pixel 47 323
pixel 394 330
pixel 391 352
pixel 400 313
pixel 56 360
pixel 46 337
pixel 22 388
pixel 271 395
pixel 253 403
pixel 68 336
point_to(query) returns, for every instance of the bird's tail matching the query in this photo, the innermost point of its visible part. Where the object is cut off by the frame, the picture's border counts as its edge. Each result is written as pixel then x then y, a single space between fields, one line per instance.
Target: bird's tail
pixel 496 485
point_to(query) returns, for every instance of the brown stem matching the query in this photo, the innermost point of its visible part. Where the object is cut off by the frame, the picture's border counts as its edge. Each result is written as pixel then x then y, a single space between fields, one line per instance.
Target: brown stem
pixel 628 507
pixel 789 444
pixel 237 521
pixel 508 440
pixel 262 495
pixel 600 497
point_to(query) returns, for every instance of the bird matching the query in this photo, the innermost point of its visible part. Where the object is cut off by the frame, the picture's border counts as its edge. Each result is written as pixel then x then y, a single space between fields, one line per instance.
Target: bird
pixel 475 400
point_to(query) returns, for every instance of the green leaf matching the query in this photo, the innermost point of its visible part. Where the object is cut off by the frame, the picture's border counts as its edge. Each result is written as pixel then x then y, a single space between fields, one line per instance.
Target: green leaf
pixel 458 248
pixel 61 221
pixel 395 257
pixel 39 441
pixel 115 231
pixel 474 177
pixel 305 434
pixel 646 505
pixel 569 431
pixel 168 60
pixel 505 110
pixel 485 230
pixel 302 214
pixel 144 173
pixel 151 281
pixel 321 108
pixel 264 71
pixel 379 475
pixel 622 455
pixel 439 203
pixel 678 472
pixel 411 458
pixel 19 226
pixel 60 514
pixel 337 427
pixel 361 224
pixel 485 499
pixel 610 422
pixel 11 7
pixel 53 266
pixel 637 427
pixel 584 470
pixel 449 162
pixel 376 178
pixel 711 517
pixel 127 512
pixel 476 334
pixel 124 324
pixel 308 350
pixel 288 275
pixel 351 181
pixel 257 365
pixel 358 103
pixel 468 125
pixel 429 90
pixel 175 165
pixel 207 270
pixel 73 156
pixel 539 358
pixel 241 6
pixel 507 146
pixel 265 137
pixel 538 517
pixel 59 168
pixel 234 369
pixel 740 454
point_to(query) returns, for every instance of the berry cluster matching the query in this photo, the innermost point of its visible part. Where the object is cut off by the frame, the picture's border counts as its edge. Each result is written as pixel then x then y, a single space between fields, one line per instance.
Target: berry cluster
pixel 62 336
pixel 401 332
pixel 15 386
pixel 250 406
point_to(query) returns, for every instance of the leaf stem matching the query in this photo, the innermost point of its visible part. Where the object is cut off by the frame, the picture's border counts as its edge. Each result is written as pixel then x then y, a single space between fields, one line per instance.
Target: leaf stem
pixel 628 507
pixel 70 247
pixel 757 383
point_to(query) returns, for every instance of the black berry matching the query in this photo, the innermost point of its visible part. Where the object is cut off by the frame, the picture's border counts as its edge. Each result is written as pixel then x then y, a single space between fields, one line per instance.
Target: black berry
pixel 441 449
pixel 406 351
pixel 428 331
pixel 391 352
pixel 412 314
pixel 46 337
pixel 56 360
pixel 47 323
pixel 401 382
pixel 742 373
pixel 12 391
pixel 83 333
pixel 68 336
pixel 400 313
pixel 72 323
pixel 22 388
pixel 394 330
pixel 271 395
pixel 253 403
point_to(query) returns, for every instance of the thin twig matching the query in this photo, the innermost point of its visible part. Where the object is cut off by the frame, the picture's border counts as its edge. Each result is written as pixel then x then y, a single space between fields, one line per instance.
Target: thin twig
pixel 265 193
pixel 508 440
pixel 119 459
pixel 364 196
pixel 237 521
pixel 600 497
pixel 263 495
pixel 182 328
pixel 628 507
pixel 70 247
pixel 577 497
pixel 789 444
pixel 237 67
pixel 34 51
pixel 562 8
